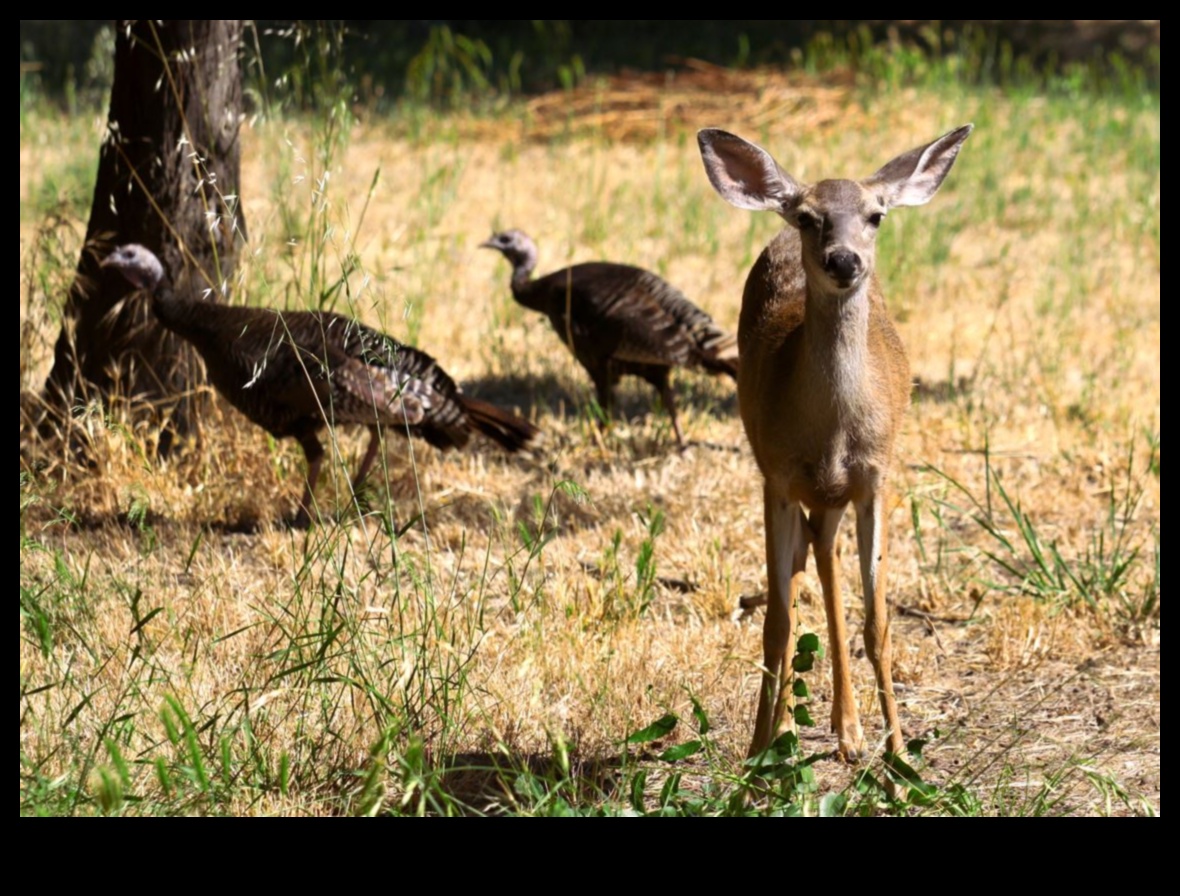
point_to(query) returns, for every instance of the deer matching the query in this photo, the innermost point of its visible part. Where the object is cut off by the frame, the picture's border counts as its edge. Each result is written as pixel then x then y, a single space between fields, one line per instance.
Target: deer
pixel 823 388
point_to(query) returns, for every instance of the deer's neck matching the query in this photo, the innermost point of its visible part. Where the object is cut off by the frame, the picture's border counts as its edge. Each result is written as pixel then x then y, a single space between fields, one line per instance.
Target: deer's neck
pixel 836 338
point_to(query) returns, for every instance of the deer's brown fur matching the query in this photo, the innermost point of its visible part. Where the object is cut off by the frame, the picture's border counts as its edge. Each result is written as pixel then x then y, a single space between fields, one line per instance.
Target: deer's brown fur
pixel 823 387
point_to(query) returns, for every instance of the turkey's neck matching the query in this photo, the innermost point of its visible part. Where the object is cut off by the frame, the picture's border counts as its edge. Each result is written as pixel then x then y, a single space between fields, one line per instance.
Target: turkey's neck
pixel 523 286
pixel 200 322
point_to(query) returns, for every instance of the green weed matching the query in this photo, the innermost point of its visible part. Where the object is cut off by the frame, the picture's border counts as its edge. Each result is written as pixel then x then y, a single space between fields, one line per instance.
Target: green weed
pixel 1100 576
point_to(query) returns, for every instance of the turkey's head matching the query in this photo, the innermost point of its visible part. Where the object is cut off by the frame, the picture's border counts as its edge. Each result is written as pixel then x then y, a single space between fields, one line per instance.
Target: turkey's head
pixel 516 245
pixel 138 264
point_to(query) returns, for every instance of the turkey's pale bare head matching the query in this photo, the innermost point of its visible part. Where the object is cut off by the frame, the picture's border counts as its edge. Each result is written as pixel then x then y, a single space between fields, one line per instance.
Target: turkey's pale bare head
pixel 516 245
pixel 138 264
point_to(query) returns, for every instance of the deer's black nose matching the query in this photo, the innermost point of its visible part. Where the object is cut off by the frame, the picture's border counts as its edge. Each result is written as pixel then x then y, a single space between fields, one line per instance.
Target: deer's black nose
pixel 843 266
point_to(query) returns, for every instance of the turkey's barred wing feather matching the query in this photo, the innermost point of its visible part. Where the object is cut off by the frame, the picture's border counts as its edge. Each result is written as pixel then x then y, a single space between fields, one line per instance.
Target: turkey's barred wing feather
pixel 635 316
pixel 653 333
pixel 408 372
pixel 362 393
pixel 705 339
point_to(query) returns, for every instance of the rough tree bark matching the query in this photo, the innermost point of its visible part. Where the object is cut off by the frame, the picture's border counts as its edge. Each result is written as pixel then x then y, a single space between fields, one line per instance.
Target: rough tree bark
pixel 168 177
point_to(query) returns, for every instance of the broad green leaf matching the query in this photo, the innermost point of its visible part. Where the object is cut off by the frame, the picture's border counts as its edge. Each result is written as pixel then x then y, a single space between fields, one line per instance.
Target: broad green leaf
pixel 657 729
pixel 681 751
pixel 808 643
pixel 670 789
pixel 698 713
pixel 900 768
pixel 638 786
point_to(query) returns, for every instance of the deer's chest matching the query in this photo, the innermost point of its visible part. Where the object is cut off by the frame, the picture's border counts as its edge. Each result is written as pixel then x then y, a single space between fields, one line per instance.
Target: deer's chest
pixel 822 438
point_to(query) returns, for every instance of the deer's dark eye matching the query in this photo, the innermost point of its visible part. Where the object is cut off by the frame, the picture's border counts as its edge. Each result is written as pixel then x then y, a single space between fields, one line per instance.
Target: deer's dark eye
pixel 805 220
pixel 876 218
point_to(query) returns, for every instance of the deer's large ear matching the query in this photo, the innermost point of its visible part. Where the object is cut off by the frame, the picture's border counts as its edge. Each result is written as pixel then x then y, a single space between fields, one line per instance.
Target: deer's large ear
pixel 915 176
pixel 745 174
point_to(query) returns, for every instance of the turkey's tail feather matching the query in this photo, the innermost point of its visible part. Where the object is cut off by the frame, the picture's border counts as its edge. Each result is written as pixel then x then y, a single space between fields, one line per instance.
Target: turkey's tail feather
pixel 719 349
pixel 723 365
pixel 510 431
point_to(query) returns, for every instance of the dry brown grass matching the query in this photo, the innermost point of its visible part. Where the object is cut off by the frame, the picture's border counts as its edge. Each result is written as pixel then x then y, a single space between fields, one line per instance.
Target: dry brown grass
pixel 480 649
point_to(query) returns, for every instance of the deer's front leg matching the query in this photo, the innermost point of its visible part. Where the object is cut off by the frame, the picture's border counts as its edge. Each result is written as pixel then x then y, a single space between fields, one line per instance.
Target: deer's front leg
pixel 872 538
pixel 787 536
pixel 825 524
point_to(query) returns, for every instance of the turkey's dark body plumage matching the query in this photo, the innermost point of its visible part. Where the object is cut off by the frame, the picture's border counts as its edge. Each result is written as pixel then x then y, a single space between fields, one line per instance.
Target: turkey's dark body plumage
pixel 629 319
pixel 618 319
pixel 292 372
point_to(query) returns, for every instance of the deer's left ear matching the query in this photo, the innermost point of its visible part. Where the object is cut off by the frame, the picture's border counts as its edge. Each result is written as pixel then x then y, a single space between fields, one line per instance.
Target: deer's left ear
pixel 915 176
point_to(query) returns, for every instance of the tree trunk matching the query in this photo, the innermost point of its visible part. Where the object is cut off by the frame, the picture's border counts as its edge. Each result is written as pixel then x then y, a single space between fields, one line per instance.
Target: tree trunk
pixel 168 176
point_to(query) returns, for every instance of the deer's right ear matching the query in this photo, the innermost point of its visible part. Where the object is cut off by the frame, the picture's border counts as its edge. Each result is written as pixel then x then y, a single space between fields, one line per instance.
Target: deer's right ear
pixel 744 174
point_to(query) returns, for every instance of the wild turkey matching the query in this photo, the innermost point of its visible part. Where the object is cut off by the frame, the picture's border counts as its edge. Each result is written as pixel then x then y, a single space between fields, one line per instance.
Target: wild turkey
pixel 621 320
pixel 293 371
